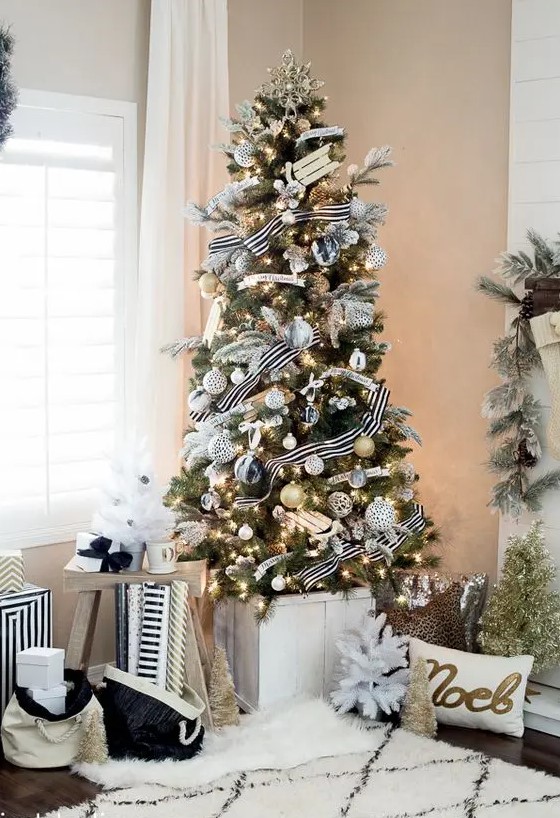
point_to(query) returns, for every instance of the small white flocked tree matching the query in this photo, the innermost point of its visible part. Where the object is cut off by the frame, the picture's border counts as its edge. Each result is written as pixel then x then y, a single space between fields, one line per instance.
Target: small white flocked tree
pixel 132 510
pixel 373 673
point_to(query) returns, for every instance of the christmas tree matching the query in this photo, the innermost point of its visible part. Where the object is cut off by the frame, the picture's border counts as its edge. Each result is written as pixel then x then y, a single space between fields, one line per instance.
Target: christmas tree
pixel 523 615
pixel 373 673
pixel 419 712
pixel 296 459
pixel 223 703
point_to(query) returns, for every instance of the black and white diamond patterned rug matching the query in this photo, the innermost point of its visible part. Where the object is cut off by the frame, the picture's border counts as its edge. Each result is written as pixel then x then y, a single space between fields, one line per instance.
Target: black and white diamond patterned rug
pixel 379 773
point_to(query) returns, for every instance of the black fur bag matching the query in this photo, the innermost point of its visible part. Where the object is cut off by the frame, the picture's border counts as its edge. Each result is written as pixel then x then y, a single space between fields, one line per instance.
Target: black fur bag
pixel 148 722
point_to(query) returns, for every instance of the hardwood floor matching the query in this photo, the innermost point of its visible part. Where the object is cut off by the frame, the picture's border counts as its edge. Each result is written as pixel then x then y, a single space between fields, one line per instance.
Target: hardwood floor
pixel 28 793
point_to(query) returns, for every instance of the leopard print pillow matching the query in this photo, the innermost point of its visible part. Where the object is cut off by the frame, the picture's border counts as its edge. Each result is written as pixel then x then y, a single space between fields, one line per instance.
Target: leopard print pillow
pixel 439 622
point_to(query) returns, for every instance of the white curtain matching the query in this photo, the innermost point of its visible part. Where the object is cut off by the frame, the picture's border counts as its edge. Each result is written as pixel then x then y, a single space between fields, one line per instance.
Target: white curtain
pixel 187 93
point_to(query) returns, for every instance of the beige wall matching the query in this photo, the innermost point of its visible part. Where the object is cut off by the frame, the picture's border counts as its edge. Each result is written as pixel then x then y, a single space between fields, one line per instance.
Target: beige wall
pixel 95 49
pixel 431 78
pixel 259 32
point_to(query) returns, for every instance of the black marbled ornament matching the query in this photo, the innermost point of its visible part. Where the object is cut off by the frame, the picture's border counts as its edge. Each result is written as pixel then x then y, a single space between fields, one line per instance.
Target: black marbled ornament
pixel 249 469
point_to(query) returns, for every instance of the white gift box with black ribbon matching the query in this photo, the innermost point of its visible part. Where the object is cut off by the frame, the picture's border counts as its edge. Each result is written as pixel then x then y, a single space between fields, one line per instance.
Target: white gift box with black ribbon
pixel 83 543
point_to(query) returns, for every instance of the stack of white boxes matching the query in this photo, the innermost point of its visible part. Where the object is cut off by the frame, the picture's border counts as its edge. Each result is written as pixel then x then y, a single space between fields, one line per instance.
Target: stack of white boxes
pixel 41 671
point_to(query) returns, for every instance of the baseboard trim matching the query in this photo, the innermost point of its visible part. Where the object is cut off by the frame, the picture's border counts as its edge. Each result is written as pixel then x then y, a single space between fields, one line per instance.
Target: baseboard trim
pixel 95 673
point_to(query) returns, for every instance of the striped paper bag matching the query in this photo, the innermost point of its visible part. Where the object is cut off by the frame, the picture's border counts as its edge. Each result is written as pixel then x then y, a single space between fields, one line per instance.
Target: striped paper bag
pixel 12 572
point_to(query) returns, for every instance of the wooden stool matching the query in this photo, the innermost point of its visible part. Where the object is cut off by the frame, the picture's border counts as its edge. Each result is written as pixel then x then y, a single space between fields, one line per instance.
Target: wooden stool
pixel 89 587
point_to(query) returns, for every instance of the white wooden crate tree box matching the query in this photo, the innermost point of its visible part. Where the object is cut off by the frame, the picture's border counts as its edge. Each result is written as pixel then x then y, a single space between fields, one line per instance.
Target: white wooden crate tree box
pixel 294 653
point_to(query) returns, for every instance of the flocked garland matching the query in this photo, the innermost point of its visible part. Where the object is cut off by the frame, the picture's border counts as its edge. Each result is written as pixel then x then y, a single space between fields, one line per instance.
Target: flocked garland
pixel 8 91
pixel 514 414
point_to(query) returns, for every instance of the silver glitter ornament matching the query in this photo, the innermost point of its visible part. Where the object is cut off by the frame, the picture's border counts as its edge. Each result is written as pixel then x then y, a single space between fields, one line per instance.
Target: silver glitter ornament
pixel 199 400
pixel 210 500
pixel 314 464
pixel 380 515
pixel 215 382
pixel 278 583
pixel 357 478
pixel 326 251
pixel 244 154
pixel 357 360
pixel 340 503
pixel 221 448
pixel 249 469
pixel 298 334
pixel 375 258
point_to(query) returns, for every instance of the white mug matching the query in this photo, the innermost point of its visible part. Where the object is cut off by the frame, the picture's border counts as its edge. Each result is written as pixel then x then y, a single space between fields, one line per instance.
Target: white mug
pixel 162 556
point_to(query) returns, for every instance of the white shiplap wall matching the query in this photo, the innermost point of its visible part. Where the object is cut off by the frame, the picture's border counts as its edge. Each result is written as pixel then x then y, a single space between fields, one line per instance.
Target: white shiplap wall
pixel 534 188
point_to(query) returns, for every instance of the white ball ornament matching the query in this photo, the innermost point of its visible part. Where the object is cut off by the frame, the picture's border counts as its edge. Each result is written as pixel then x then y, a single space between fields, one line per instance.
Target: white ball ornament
pixel 208 283
pixel 278 583
pixel 314 464
pixel 245 532
pixel 364 446
pixel 357 360
pixel 289 442
pixel 340 503
pixel 292 495
pixel 221 449
pixel 275 399
pixel 199 400
pixel 244 154
pixel 215 382
pixel 358 208
pixel 237 376
pixel 298 334
pixel 375 258
pixel 380 515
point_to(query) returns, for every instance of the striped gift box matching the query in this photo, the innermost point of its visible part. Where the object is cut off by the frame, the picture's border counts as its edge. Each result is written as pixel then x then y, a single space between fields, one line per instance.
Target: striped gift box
pixel 12 572
pixel 25 622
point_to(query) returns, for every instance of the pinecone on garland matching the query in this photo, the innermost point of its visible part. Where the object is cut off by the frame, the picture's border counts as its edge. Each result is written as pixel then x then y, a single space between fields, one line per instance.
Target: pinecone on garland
pixel 525 457
pixel 526 309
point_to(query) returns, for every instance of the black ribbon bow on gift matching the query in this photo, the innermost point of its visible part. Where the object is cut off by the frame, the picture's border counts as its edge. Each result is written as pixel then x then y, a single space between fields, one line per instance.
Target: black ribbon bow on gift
pixel 99 550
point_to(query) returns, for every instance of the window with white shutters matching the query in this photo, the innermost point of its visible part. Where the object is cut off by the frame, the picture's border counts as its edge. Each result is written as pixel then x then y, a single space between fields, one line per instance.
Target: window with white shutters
pixel 67 275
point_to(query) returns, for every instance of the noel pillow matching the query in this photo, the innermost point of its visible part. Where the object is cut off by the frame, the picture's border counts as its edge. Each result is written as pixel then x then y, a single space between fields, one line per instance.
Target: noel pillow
pixel 472 690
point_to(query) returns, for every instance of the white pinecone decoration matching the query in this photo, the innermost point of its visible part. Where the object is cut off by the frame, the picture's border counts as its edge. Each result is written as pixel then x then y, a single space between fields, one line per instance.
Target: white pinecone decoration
pixel 380 515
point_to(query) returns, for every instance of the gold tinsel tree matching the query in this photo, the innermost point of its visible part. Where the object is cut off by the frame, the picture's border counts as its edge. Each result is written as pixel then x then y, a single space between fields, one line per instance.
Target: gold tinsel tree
pixel 223 703
pixel 523 615
pixel 93 746
pixel 419 713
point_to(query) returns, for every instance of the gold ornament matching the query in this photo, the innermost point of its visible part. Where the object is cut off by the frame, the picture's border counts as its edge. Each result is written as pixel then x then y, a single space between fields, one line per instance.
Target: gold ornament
pixel 292 495
pixel 290 85
pixel 208 283
pixel 364 446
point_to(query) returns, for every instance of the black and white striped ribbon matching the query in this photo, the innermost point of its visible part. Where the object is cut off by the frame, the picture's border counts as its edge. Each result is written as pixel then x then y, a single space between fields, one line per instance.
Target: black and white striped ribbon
pixel 335 447
pixel 277 357
pixel 314 574
pixel 258 243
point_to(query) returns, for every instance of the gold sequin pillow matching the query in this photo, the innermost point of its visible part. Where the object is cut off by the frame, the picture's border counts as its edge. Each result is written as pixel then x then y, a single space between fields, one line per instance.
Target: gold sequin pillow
pixel 439 622
pixel 471 690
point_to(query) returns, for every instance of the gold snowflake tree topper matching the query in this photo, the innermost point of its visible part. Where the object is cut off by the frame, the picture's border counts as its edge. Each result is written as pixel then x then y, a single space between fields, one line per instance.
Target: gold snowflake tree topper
pixel 290 84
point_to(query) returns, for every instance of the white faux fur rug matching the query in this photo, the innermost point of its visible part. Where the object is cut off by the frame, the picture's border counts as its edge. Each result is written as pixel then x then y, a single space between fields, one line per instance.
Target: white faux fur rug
pixel 305 762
